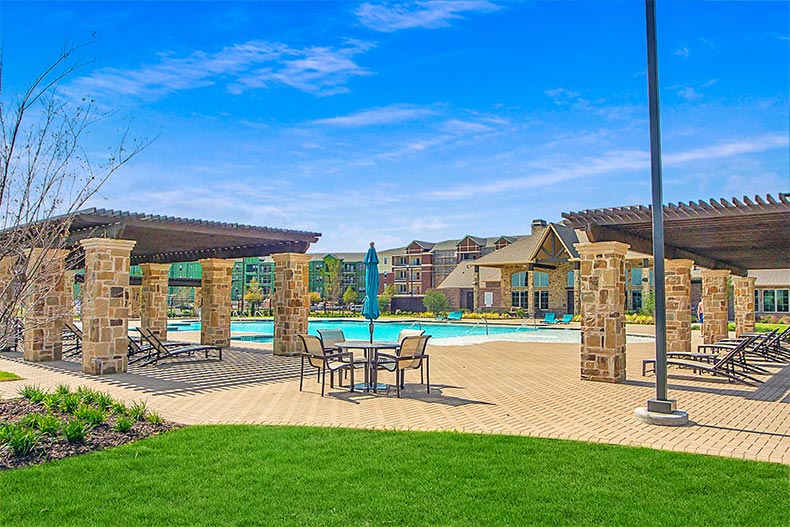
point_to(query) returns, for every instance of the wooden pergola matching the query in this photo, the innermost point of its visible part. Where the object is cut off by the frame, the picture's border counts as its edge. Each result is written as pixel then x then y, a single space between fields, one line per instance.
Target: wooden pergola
pixel 736 235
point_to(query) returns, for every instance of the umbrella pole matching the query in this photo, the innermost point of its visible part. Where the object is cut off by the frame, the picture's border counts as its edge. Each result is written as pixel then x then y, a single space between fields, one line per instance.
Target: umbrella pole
pixel 371 331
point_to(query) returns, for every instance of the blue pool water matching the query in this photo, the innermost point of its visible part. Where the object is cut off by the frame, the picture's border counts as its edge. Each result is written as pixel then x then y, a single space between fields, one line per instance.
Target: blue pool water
pixel 261 331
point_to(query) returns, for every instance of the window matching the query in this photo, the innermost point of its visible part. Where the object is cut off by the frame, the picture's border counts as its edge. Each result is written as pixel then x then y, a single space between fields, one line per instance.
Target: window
pixel 541 299
pixel 756 300
pixel 468 256
pixel 519 280
pixel 571 279
pixel 769 300
pixel 520 298
pixel 636 277
pixel 783 300
pixel 636 300
pixel 415 260
pixel 541 279
pixel 400 288
pixel 385 260
pixel 416 277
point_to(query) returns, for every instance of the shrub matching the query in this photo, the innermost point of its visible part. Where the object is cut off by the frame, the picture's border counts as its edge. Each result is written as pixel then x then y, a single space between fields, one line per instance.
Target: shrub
pixel 154 418
pixel 75 431
pixel 63 389
pixel 436 302
pixel 104 401
pixel 20 440
pixel 118 408
pixel 90 414
pixel 123 425
pixel 138 410
pixel 87 395
pixel 34 394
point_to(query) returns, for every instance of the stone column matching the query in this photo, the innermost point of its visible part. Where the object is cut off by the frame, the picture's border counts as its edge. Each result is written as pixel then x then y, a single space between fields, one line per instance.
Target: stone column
pixel 531 293
pixel 105 310
pixel 215 313
pixel 7 328
pixel 677 274
pixel 45 305
pixel 603 310
pixel 291 301
pixel 744 304
pixel 67 290
pixel 153 300
pixel 506 287
pixel 714 305
pixel 135 301
pixel 198 301
pixel 476 289
pixel 577 286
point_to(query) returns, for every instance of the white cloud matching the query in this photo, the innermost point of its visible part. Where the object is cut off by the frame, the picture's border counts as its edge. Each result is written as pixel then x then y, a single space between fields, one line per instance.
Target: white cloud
pixel 389 17
pixel 561 95
pixel 393 113
pixel 682 52
pixel 253 64
pixel 689 93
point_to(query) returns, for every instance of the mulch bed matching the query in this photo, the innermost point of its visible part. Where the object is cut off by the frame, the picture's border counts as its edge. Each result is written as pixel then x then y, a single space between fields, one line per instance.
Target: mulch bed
pixel 50 448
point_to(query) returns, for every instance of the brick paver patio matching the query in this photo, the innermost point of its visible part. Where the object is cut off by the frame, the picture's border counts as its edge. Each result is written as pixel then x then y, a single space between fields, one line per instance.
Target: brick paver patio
pixel 501 387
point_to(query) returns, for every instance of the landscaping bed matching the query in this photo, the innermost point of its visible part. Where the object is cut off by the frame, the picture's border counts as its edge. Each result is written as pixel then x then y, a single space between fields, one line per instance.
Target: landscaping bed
pixel 43 425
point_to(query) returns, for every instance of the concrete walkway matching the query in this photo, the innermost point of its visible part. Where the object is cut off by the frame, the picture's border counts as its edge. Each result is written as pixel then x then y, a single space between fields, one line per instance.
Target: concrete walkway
pixel 500 387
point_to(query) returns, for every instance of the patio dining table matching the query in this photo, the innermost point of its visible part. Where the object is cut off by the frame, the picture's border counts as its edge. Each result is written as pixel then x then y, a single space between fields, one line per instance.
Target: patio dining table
pixel 370 349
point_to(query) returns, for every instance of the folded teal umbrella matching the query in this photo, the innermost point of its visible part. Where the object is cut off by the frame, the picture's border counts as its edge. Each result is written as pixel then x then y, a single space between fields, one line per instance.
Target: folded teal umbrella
pixel 370 306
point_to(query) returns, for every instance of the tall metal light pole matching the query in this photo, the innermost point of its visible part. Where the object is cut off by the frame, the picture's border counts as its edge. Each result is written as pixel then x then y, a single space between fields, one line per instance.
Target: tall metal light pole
pixel 661 404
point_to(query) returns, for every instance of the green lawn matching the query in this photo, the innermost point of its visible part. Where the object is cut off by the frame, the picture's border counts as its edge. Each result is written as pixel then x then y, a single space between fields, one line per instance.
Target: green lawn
pixel 8 376
pixel 255 475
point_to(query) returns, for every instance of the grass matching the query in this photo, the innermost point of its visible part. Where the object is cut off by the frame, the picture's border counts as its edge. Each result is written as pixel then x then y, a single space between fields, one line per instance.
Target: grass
pixel 8 376
pixel 254 475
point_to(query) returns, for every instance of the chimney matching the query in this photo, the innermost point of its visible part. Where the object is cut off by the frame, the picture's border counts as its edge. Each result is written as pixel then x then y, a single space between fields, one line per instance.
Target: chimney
pixel 538 226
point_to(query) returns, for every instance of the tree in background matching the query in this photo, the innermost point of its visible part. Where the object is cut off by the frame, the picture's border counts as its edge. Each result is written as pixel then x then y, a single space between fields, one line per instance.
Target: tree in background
pixel 254 295
pixel 315 297
pixel 386 297
pixel 49 167
pixel 330 276
pixel 435 302
pixel 649 304
pixel 350 296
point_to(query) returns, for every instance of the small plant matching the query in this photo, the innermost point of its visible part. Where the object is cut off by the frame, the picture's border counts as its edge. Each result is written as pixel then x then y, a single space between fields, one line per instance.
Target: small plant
pixel 138 410
pixel 49 425
pixel 69 403
pixel 104 400
pixel 87 395
pixel 20 440
pixel 90 414
pixel 75 431
pixel 34 394
pixel 154 418
pixel 63 389
pixel 118 408
pixel 123 425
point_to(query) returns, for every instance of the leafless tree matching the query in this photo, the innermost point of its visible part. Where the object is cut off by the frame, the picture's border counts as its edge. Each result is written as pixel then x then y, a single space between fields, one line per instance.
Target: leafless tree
pixel 49 168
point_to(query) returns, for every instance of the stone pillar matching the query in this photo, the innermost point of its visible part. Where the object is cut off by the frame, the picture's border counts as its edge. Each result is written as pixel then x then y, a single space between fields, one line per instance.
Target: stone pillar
pixel 45 305
pixel 7 328
pixel 744 304
pixel 646 287
pixel 506 287
pixel 198 301
pixel 677 274
pixel 714 305
pixel 215 313
pixel 153 301
pixel 577 286
pixel 105 310
pixel 291 301
pixel 603 310
pixel 531 293
pixel 135 301
pixel 476 289
pixel 66 287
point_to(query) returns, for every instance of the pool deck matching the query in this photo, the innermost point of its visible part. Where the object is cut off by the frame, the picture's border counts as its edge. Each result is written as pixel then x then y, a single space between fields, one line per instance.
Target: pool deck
pixel 498 387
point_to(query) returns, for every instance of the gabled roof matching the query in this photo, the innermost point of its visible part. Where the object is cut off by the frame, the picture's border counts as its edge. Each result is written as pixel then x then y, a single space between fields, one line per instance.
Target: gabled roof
pixel 565 235
pixel 426 246
pixel 477 239
pixel 772 278
pixel 463 276
pixel 517 253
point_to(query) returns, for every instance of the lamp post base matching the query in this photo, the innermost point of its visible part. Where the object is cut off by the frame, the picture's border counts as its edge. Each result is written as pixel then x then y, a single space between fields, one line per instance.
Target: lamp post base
pixel 674 418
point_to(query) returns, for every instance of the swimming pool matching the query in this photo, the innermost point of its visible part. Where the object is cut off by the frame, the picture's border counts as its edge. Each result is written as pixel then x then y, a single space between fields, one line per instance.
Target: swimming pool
pixel 442 333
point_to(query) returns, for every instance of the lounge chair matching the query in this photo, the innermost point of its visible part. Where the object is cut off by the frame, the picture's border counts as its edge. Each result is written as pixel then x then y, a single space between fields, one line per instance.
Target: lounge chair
pixel 318 358
pixel 566 319
pixel 455 315
pixel 549 318
pixel 75 336
pixel 409 356
pixel 161 351
pixel 723 365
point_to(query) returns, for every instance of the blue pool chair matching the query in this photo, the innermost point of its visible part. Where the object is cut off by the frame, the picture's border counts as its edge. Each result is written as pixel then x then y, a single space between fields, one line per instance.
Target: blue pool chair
pixel 455 315
pixel 548 318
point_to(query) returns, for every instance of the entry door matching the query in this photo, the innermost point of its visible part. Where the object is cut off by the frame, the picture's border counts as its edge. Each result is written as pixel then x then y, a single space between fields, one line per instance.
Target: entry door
pixel 470 300
pixel 570 301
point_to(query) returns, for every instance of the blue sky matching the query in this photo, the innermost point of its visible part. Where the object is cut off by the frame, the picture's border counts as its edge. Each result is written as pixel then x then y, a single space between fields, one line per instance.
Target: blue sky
pixel 422 120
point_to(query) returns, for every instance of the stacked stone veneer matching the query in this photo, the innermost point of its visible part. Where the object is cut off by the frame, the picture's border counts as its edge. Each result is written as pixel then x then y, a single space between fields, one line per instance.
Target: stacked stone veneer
pixel 7 328
pixel 291 301
pixel 215 312
pixel 603 310
pixel 105 311
pixel 743 293
pixel 714 305
pixel 677 274
pixel 135 301
pixel 45 304
pixel 558 287
pixel 153 301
